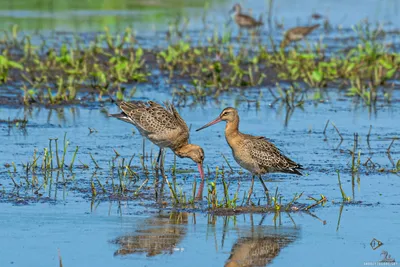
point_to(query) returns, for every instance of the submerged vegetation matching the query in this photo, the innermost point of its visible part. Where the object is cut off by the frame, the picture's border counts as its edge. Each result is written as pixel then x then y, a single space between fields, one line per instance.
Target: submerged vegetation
pixel 137 177
pixel 111 65
pixel 56 166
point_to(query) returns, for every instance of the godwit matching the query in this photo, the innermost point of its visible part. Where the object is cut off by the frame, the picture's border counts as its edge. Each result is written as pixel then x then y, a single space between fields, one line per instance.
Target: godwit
pixel 253 153
pixel 156 235
pixel 257 250
pixel 165 128
pixel 243 20
pixel 297 34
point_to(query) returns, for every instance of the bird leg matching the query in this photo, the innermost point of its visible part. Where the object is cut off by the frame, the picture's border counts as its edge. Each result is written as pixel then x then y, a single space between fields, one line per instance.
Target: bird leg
pixel 199 195
pixel 144 148
pixel 251 189
pixel 157 167
pixel 157 177
pixel 161 190
pixel 240 34
pixel 161 156
pixel 265 187
pixel 263 184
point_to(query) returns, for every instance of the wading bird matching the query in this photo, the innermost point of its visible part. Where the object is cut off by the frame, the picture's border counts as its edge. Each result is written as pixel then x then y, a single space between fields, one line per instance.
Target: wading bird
pixel 165 128
pixel 243 20
pixel 253 153
pixel 257 250
pixel 155 236
pixel 297 34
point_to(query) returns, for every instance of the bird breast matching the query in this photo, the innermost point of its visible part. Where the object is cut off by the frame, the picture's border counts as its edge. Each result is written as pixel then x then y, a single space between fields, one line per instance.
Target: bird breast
pixel 243 156
pixel 295 36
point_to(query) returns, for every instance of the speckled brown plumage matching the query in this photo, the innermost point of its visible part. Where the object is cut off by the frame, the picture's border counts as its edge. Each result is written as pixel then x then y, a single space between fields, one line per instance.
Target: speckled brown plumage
pixel 162 126
pixel 165 128
pixel 253 153
pixel 297 34
pixel 261 156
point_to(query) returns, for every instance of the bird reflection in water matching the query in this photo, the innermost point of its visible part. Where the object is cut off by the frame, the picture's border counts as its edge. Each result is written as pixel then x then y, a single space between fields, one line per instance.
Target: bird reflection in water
pixel 161 235
pixel 258 245
pixel 257 250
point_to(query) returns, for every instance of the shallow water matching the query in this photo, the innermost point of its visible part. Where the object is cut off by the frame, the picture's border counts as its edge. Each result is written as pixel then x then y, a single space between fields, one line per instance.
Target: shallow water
pixel 91 239
pixel 65 217
pixel 85 16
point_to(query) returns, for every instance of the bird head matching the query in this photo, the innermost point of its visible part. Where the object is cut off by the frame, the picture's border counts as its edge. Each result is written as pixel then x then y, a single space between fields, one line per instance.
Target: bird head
pixel 195 153
pixel 235 9
pixel 228 114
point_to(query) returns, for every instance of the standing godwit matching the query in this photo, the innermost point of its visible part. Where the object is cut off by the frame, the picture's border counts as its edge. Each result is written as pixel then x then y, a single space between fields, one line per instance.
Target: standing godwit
pixel 257 250
pixel 297 34
pixel 243 20
pixel 165 128
pixel 253 153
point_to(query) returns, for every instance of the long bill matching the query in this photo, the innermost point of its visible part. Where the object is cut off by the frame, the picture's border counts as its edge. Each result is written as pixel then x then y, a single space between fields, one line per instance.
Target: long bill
pixel 209 124
pixel 201 171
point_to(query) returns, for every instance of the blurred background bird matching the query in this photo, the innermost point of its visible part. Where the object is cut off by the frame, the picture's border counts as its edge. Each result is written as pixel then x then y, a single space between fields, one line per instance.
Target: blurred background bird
pixel 243 20
pixel 297 34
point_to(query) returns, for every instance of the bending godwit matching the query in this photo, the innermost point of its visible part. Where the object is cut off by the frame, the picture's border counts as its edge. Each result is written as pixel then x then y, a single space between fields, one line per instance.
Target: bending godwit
pixel 253 153
pixel 165 128
pixel 297 34
pixel 155 236
pixel 243 20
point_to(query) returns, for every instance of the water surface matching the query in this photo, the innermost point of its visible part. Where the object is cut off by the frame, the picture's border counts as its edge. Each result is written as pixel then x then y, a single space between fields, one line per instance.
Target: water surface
pixel 137 232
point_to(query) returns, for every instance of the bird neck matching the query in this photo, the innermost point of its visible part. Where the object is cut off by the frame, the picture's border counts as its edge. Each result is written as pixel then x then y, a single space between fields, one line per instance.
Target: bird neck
pixel 284 43
pixel 238 10
pixel 232 128
pixel 183 150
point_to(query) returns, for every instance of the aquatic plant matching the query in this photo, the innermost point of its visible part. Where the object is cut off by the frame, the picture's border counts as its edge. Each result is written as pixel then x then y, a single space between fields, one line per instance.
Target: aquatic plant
pixel 345 198
pixel 103 65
